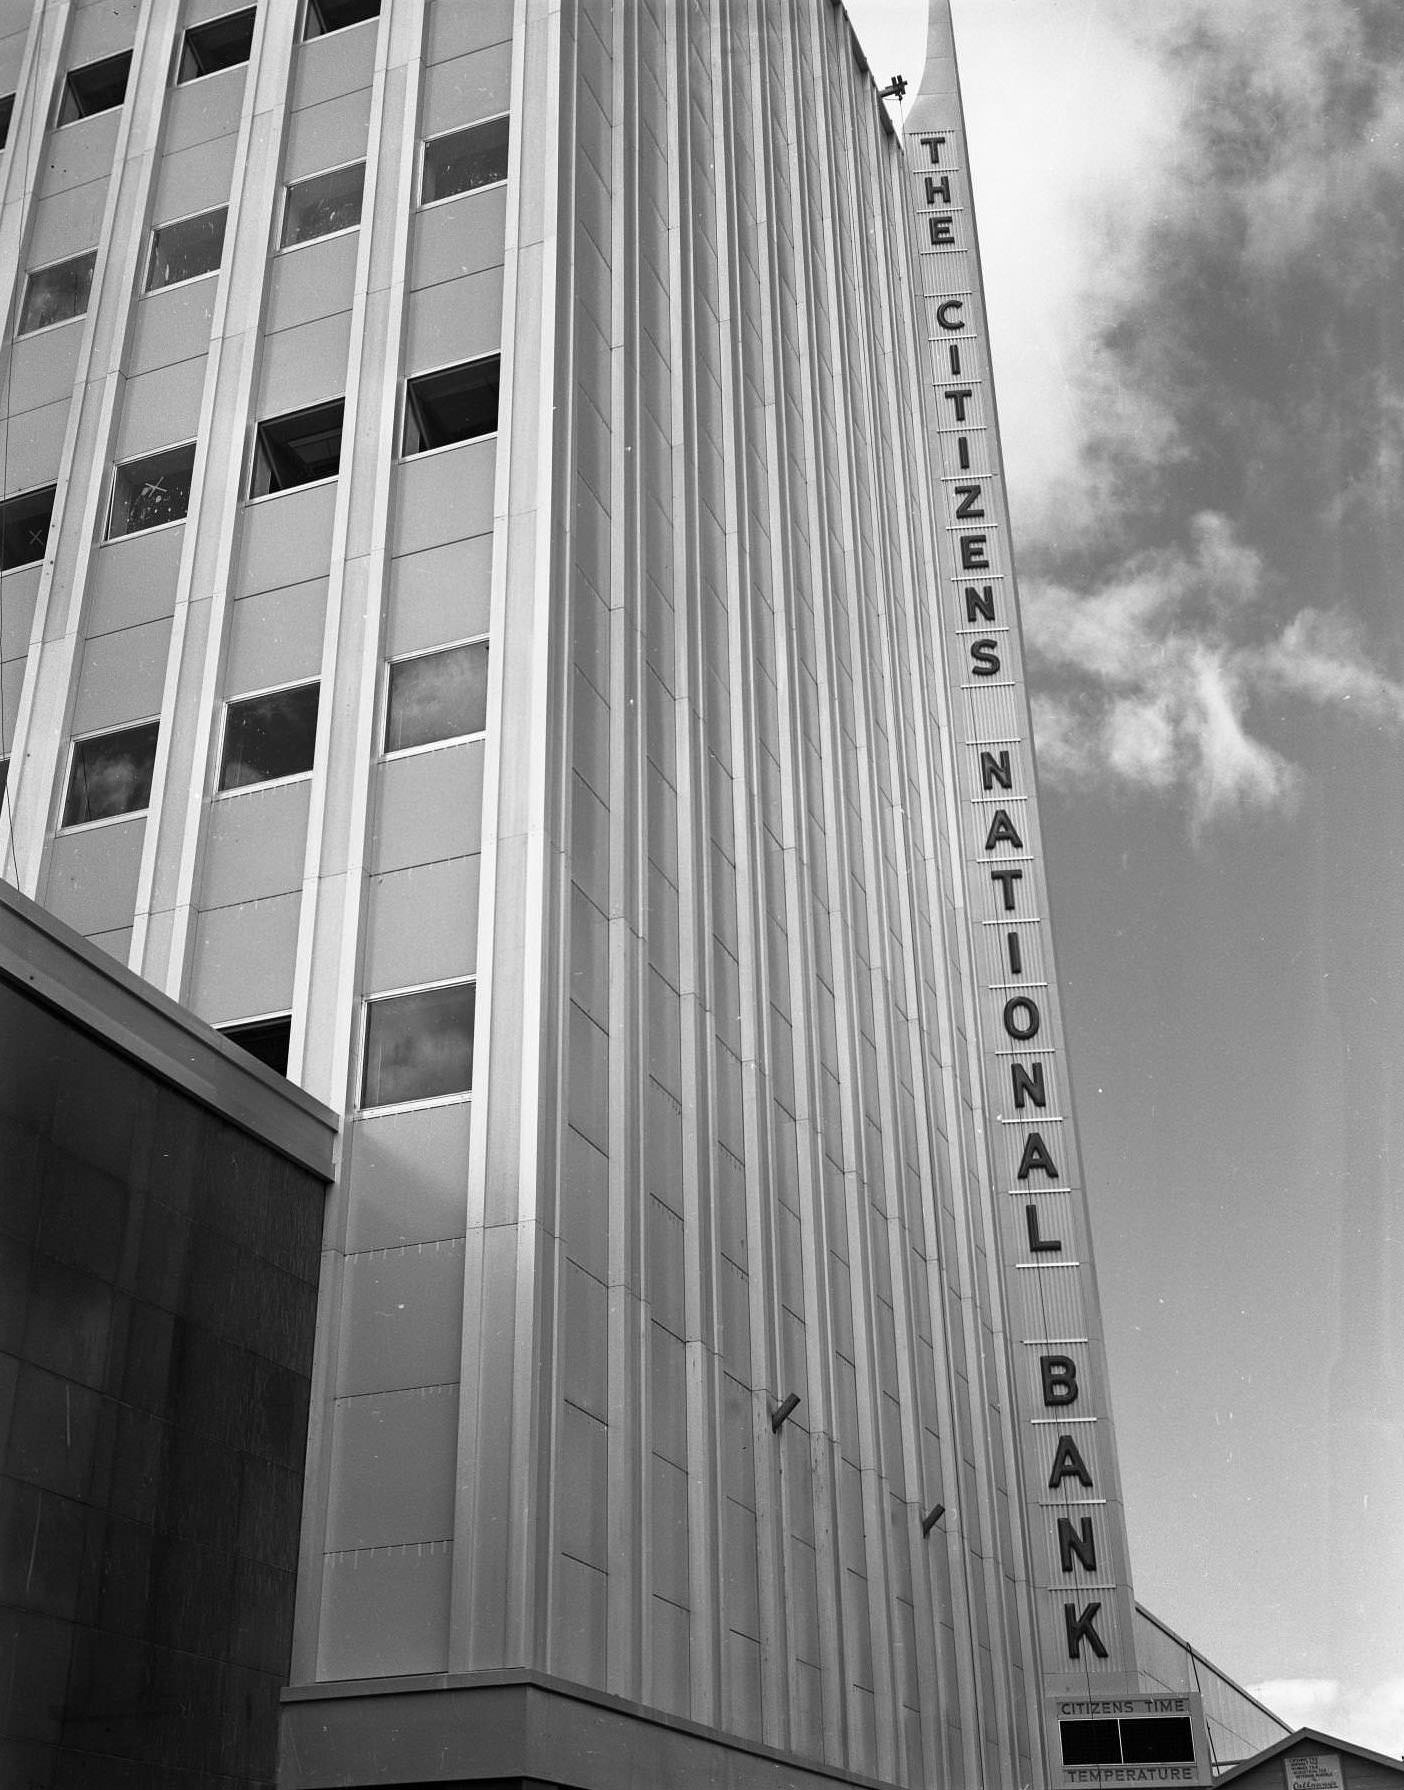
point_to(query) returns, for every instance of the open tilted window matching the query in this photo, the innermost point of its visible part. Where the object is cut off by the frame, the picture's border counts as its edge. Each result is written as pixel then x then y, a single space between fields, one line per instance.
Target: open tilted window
pixel 98 87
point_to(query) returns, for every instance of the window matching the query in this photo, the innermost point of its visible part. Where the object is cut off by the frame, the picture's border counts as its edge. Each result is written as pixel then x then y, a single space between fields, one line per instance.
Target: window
pixel 223 43
pixel 186 249
pixel 4 777
pixel 269 736
pixel 419 1045
pixel 464 160
pixel 54 294
pixel 111 774
pixel 436 696
pixel 97 88
pixel 266 1039
pixel 151 492
pixel 7 107
pixel 24 528
pixel 456 404
pixel 335 15
pixel 323 204
pixel 296 449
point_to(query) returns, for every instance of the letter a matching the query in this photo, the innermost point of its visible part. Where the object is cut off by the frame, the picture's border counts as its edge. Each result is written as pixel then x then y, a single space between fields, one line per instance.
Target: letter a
pixel 1002 832
pixel 1068 1464
pixel 1036 1157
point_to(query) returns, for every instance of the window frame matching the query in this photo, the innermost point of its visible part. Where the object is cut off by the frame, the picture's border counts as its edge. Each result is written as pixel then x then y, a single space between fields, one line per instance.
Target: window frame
pixel 219 792
pixel 137 460
pixel 183 46
pixel 104 733
pixel 417 1101
pixel 410 379
pixel 388 753
pixel 22 334
pixel 190 278
pixel 467 192
pixel 66 89
pixel 287 248
pixel 325 478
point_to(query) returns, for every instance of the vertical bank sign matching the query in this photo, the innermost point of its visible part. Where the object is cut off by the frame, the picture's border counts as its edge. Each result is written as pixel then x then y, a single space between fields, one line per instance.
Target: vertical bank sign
pixel 1070 1483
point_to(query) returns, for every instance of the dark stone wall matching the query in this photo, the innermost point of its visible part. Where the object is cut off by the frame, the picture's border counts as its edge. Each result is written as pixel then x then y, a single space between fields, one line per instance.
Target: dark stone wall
pixel 158 1280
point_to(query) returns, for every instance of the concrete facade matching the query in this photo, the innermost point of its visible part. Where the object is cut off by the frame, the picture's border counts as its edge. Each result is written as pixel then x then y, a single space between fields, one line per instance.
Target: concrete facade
pixel 667 1364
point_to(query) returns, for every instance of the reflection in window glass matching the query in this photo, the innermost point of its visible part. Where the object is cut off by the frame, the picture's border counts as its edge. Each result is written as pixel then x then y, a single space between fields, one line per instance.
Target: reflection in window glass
pixel 325 203
pixel 111 774
pixel 54 294
pixel 297 449
pixel 437 696
pixel 24 527
pixel 186 249
pixel 419 1045
pixel 150 492
pixel 462 161
pixel 269 736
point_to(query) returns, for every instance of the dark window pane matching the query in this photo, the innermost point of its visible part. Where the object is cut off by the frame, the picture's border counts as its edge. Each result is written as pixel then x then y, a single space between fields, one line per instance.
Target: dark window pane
pixel 223 43
pixel 111 774
pixel 436 696
pixel 24 528
pixel 97 88
pixel 465 160
pixel 266 1039
pixel 54 294
pixel 419 1045
pixel 1090 1743
pixel 294 450
pixel 335 15
pixel 147 493
pixel 4 777
pixel 1158 1740
pixel 186 249
pixel 326 202
pixel 269 736
pixel 7 107
pixel 456 404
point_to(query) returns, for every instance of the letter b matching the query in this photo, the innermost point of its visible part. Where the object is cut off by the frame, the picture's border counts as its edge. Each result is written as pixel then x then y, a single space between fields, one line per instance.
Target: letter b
pixel 1059 1376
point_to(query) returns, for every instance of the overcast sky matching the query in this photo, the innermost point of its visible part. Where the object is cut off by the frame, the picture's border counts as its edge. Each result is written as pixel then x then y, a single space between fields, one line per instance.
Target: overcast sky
pixel 1192 223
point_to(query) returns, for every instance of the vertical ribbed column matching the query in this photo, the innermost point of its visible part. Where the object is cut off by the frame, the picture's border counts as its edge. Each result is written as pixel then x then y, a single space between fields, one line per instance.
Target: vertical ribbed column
pixel 337 855
pixel 501 1569
pixel 43 722
pixel 170 865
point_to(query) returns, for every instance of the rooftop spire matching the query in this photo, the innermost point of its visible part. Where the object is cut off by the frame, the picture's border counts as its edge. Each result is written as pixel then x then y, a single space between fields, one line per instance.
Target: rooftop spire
pixel 938 95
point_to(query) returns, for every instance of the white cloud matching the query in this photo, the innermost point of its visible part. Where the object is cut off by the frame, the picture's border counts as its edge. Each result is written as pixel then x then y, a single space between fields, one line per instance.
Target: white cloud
pixel 1370 1715
pixel 1153 676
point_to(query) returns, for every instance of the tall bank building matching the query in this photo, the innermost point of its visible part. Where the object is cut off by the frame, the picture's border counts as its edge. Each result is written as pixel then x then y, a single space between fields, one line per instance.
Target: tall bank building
pixel 509 615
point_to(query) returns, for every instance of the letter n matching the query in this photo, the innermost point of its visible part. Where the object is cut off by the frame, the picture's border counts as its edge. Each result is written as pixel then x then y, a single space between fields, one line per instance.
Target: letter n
pixel 1083 1545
